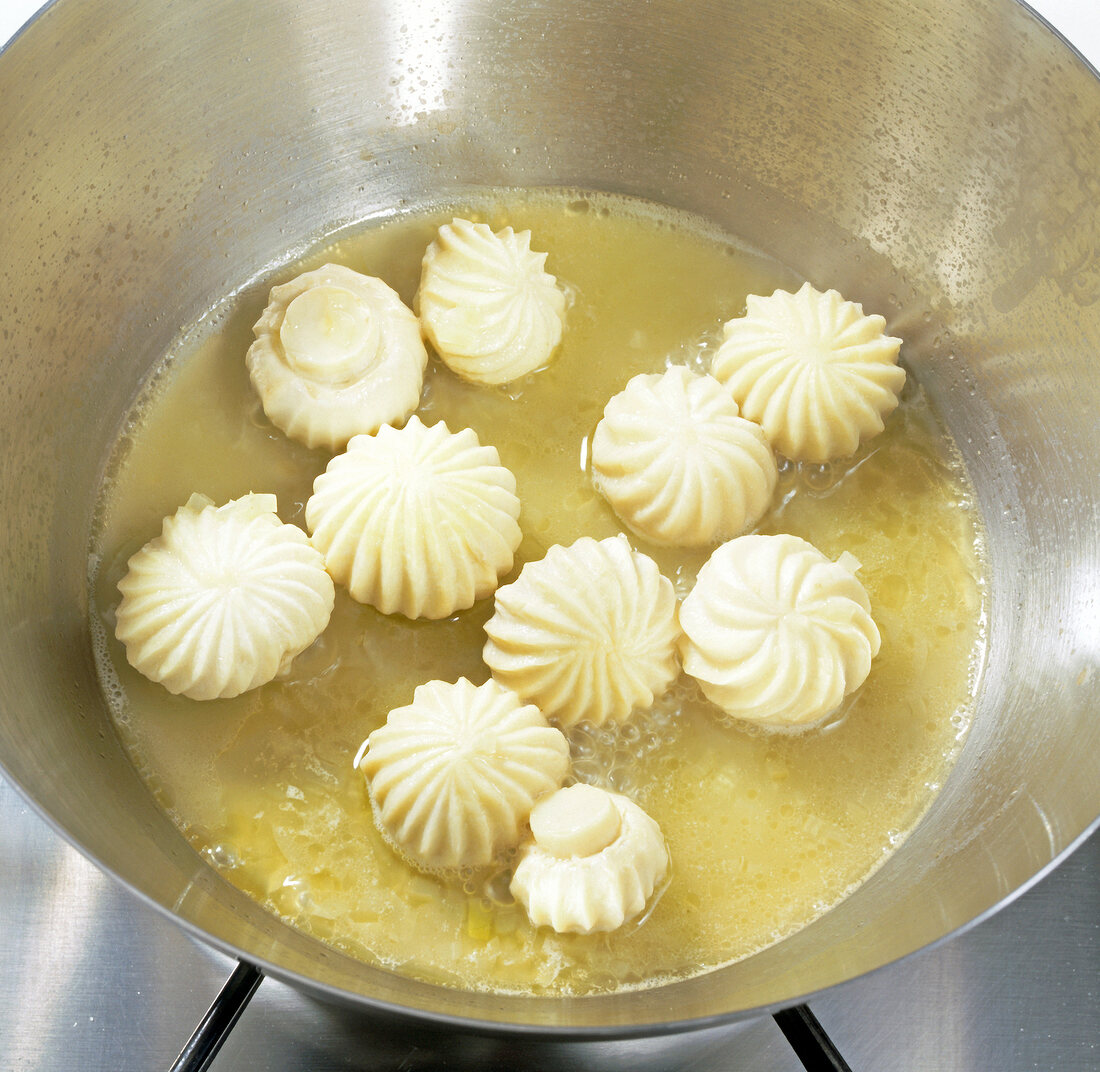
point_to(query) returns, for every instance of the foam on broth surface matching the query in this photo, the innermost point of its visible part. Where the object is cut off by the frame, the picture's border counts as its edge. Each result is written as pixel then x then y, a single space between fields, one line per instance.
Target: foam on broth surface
pixel 765 831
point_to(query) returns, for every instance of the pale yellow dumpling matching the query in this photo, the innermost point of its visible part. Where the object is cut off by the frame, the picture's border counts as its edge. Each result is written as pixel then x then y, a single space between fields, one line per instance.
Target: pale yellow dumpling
pixel 587 633
pixel 223 599
pixel 453 776
pixel 776 633
pixel 337 354
pixel 594 860
pixel 419 521
pixel 677 462
pixel 812 370
pixel 487 304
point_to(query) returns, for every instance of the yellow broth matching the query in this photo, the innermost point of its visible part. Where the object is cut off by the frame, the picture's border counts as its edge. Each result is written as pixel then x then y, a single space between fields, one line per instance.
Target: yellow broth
pixel 766 831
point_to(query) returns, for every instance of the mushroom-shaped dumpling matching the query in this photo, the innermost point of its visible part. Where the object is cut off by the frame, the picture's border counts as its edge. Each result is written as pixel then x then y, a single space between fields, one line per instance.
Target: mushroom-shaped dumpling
pixel 487 304
pixel 419 521
pixel 453 775
pixel 587 633
pixel 776 633
pixel 337 354
pixel 678 464
pixel 594 861
pixel 223 599
pixel 815 373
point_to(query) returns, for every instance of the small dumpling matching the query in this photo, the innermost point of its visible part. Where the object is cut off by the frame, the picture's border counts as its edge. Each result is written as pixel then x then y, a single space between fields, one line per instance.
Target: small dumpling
pixel 223 599
pixel 453 775
pixel 812 370
pixel 587 633
pixel 337 354
pixel 678 464
pixel 487 304
pixel 593 862
pixel 776 633
pixel 419 521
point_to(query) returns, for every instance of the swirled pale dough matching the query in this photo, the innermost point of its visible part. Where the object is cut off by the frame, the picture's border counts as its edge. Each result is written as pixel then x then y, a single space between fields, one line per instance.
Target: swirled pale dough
pixel 419 521
pixel 223 599
pixel 593 862
pixel 337 354
pixel 816 373
pixel 587 633
pixel 488 306
pixel 776 633
pixel 453 775
pixel 678 464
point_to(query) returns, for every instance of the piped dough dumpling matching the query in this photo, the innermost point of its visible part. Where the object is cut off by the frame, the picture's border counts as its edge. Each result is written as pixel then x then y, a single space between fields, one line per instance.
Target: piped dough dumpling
pixel 453 776
pixel 487 304
pixel 337 354
pixel 776 633
pixel 587 633
pixel 593 861
pixel 223 599
pixel 677 462
pixel 812 370
pixel 419 521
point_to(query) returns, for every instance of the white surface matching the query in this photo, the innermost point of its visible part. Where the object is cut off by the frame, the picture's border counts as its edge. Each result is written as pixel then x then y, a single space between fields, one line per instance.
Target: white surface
pixel 13 13
pixel 1076 20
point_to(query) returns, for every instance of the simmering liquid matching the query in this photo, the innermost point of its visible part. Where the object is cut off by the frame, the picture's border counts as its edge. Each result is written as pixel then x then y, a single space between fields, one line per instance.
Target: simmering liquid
pixel 766 831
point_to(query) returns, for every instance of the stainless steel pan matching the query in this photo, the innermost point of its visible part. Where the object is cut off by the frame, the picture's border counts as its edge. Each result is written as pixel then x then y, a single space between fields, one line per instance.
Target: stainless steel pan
pixel 940 161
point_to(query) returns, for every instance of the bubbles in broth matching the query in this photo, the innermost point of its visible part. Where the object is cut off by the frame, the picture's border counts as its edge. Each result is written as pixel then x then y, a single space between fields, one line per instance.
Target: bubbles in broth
pixel 766 831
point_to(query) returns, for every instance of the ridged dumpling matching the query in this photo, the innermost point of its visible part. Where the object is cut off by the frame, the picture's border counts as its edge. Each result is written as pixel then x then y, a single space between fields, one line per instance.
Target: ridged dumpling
pixel 453 776
pixel 337 354
pixel 816 373
pixel 223 599
pixel 586 633
pixel 419 521
pixel 594 860
pixel 677 462
pixel 775 632
pixel 487 304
